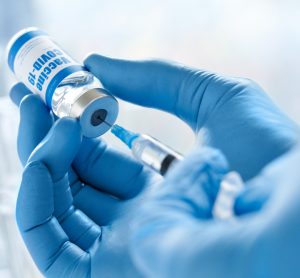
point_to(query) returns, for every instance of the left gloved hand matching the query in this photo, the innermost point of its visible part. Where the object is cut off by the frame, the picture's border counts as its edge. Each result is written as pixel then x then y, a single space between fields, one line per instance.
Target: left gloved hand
pixel 176 236
pixel 75 219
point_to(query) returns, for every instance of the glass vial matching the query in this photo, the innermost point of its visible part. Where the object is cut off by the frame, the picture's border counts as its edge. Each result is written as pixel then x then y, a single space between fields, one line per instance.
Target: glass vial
pixel 64 84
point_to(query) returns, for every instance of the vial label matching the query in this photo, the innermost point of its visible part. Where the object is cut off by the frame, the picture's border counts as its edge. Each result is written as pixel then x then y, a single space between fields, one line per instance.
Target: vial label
pixel 40 63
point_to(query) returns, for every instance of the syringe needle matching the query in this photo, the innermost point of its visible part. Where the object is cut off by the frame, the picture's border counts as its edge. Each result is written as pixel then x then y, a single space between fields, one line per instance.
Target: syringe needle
pixel 124 135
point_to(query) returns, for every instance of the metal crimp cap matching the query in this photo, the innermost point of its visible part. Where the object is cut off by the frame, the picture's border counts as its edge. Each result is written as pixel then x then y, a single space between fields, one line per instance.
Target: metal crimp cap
pixel 97 111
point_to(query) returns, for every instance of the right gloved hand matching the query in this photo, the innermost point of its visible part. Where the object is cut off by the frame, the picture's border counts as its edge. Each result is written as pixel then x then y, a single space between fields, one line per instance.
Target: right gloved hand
pixel 237 115
pixel 175 235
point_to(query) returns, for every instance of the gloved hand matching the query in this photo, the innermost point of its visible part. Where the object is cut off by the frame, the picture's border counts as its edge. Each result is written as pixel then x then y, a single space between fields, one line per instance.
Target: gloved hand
pixel 238 116
pixel 176 236
pixel 250 130
pixel 75 219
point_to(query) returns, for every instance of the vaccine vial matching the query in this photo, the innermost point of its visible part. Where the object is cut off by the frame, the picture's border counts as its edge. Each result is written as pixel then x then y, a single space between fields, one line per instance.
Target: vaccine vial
pixel 64 84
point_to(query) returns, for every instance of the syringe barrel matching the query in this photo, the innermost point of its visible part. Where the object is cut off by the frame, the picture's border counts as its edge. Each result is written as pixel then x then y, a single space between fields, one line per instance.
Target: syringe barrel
pixel 154 154
pixel 161 158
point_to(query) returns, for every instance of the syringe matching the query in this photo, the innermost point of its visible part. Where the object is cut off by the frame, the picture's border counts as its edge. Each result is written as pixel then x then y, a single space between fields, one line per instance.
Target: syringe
pixel 148 150
pixel 161 158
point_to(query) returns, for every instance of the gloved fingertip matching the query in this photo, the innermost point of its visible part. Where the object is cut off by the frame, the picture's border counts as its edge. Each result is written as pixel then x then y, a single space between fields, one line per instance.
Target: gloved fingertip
pixel 252 199
pixel 68 124
pixel 66 127
pixel 105 68
pixel 93 60
pixel 34 170
pixel 34 167
pixel 65 130
pixel 18 92
pixel 35 122
pixel 30 104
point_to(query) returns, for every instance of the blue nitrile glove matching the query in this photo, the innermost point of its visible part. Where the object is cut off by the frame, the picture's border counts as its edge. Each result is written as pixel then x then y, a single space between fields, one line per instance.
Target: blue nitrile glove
pixel 75 224
pixel 176 236
pixel 238 117
pixel 245 125
pixel 108 174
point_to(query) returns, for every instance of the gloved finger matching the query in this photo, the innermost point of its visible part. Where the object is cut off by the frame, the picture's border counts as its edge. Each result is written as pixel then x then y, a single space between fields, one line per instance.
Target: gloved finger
pixel 18 92
pixel 55 151
pixel 70 216
pixel 253 197
pixel 260 189
pixel 65 137
pixel 170 87
pixel 100 207
pixel 45 239
pixel 35 122
pixel 110 170
pixel 195 182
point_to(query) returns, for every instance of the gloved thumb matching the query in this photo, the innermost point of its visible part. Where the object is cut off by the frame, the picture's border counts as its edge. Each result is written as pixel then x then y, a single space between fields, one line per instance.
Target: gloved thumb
pixel 151 83
pixel 252 198
pixel 59 148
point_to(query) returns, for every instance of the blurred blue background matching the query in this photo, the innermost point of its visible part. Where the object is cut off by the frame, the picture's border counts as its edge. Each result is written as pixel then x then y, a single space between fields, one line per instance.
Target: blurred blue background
pixel 259 39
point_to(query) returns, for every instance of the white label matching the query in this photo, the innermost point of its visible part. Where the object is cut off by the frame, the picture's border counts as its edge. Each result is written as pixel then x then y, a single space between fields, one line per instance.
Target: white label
pixel 41 65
